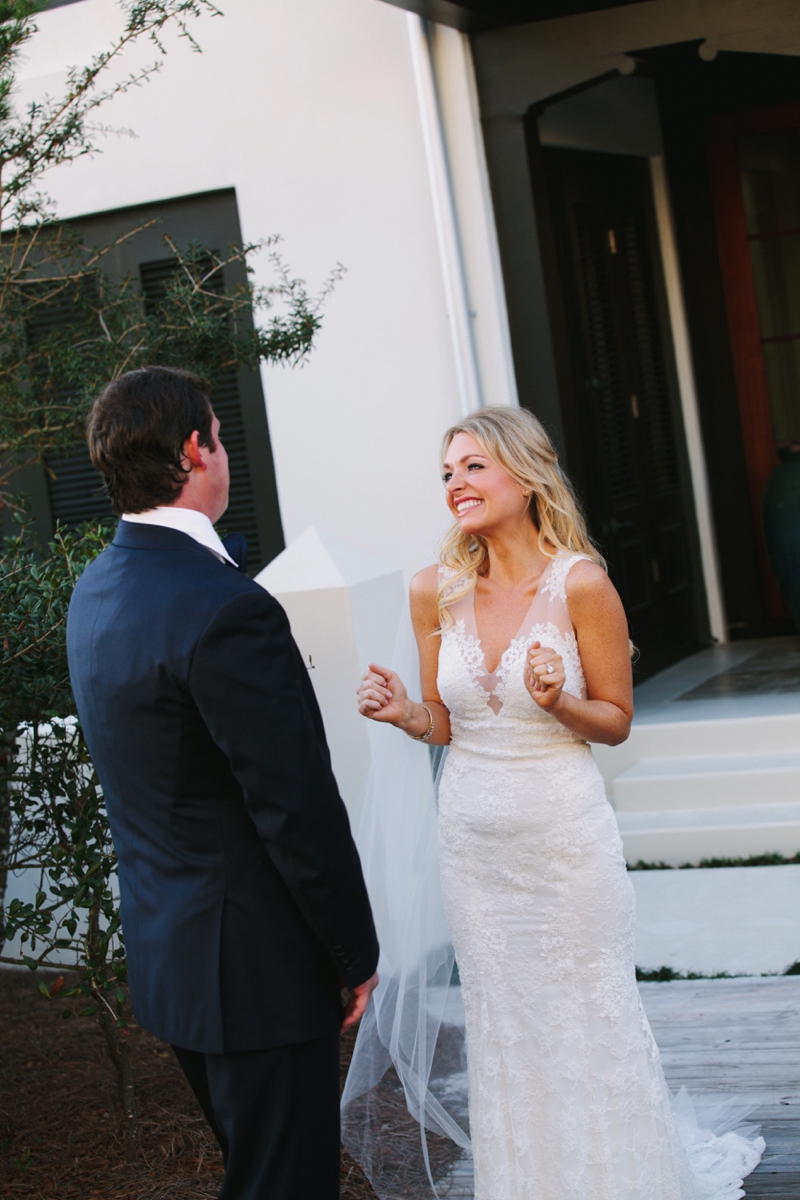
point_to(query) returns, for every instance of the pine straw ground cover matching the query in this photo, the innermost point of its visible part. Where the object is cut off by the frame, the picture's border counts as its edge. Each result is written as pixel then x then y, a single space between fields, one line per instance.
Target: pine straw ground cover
pixel 60 1121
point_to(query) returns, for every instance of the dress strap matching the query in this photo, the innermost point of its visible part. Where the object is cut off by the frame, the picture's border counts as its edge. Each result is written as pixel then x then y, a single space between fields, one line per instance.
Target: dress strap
pixel 554 583
pixel 445 574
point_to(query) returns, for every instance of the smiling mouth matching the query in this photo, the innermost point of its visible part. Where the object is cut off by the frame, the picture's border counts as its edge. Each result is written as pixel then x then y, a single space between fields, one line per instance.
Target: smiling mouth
pixel 466 506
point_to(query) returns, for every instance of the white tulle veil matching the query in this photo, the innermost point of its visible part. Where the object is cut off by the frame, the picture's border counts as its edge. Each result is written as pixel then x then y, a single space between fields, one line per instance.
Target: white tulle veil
pixel 408 1072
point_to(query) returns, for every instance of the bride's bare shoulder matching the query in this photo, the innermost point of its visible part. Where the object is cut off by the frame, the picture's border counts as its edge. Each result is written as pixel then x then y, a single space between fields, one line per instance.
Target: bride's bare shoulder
pixel 590 593
pixel 587 578
pixel 426 582
pixel 423 595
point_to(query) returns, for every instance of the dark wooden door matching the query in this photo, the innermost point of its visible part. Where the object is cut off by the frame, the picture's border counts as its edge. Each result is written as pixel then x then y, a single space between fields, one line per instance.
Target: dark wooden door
pixel 624 399
pixel 756 184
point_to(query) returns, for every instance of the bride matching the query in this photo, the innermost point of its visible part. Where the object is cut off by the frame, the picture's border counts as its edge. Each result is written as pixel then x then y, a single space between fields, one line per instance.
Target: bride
pixel 524 660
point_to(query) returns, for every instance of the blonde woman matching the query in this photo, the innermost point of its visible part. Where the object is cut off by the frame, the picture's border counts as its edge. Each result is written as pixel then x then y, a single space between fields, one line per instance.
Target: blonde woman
pixel 525 659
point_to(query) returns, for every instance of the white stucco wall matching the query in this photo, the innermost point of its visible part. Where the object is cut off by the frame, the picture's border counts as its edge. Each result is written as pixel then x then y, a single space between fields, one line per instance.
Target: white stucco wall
pixel 308 110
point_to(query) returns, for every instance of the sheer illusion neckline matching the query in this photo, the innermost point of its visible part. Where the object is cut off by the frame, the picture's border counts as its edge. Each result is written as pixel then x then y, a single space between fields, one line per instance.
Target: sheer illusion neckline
pixel 492 683
pixel 520 631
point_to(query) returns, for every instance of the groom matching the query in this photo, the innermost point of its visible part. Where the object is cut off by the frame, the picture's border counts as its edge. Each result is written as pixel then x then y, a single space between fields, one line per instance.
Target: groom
pixel 243 903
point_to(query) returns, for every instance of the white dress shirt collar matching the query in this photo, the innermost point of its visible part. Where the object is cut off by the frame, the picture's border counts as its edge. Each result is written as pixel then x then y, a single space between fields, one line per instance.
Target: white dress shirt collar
pixel 185 520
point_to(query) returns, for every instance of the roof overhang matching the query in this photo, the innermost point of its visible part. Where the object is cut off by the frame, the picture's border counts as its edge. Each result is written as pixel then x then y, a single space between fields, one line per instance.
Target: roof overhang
pixel 472 16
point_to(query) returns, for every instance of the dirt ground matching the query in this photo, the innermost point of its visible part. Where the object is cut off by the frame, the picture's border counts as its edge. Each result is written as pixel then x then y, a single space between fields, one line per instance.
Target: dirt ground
pixel 60 1122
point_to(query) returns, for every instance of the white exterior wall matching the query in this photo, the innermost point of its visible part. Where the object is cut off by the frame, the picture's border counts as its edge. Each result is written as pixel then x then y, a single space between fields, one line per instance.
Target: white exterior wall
pixel 309 110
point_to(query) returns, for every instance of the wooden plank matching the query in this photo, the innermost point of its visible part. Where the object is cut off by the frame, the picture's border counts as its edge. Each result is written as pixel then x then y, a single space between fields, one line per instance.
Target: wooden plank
pixel 742 1037
pixel 725 1037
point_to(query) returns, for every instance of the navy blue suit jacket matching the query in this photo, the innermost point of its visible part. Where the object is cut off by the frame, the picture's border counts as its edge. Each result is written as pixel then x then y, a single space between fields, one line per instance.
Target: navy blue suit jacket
pixel 243 901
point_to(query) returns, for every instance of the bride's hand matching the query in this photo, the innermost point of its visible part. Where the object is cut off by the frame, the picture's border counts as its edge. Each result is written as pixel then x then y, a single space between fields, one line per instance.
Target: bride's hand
pixel 382 695
pixel 544 675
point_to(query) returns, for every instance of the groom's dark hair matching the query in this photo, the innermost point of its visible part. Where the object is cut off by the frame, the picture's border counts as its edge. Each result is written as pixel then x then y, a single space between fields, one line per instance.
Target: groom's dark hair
pixel 136 431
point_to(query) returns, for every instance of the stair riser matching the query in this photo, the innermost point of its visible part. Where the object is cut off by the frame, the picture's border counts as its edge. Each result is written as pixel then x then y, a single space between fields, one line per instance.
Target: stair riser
pixel 677 846
pixel 707 791
pixel 684 739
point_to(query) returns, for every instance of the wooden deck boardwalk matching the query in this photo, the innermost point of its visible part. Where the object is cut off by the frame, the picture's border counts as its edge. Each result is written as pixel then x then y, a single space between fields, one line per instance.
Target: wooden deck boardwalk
pixel 726 1036
pixel 739 1036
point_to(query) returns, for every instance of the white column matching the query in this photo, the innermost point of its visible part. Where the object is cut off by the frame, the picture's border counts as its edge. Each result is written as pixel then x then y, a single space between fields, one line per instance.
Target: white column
pixel 455 284
pixel 459 112
pixel 688 395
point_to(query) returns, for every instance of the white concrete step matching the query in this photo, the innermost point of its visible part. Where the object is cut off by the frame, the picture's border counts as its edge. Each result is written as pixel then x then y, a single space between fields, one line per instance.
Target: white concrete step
pixel 708 781
pixel 711 771
pixel 775 733
pixel 677 836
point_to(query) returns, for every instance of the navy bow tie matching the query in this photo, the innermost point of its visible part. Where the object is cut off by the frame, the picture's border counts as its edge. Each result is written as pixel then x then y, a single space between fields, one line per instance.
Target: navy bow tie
pixel 236 546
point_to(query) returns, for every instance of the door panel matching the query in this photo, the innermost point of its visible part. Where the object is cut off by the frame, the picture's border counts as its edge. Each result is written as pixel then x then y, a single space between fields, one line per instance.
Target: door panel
pixel 756 185
pixel 635 482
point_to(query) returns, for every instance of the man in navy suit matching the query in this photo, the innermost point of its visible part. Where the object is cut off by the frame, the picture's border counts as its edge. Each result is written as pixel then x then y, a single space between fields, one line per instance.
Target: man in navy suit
pixel 243 903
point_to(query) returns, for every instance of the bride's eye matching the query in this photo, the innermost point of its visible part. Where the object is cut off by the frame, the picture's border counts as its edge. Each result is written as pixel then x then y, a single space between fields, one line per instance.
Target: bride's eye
pixel 477 466
pixel 448 475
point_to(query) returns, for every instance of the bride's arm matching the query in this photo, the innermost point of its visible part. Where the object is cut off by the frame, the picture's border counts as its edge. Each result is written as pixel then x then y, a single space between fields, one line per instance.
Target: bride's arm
pixel 601 629
pixel 425 618
pixel 382 694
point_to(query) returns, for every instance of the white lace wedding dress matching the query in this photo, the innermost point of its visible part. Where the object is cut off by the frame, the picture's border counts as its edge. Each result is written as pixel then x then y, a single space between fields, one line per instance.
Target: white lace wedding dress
pixel 567 1095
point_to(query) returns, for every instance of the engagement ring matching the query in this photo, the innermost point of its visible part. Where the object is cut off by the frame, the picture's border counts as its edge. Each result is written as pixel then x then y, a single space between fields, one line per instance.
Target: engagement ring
pixel 550 669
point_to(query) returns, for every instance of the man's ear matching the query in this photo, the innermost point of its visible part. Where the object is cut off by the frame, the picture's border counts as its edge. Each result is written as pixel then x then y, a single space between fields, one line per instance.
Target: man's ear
pixel 193 451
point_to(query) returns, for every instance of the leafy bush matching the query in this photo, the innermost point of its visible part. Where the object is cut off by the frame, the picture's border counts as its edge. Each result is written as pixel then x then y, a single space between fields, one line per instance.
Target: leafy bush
pixel 55 823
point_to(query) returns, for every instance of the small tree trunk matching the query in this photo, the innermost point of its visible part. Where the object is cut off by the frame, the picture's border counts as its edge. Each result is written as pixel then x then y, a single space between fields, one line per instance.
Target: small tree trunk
pixel 120 1054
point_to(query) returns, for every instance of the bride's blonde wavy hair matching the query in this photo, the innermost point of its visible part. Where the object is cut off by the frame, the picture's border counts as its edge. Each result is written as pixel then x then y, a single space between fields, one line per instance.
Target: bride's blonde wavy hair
pixel 516 441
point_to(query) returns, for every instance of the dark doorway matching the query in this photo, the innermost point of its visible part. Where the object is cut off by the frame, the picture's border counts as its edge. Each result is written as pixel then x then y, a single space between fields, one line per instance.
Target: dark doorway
pixel 622 403
pixel 755 160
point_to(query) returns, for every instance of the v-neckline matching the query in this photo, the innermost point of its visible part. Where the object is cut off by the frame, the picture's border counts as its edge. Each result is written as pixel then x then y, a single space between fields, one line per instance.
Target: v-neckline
pixel 492 674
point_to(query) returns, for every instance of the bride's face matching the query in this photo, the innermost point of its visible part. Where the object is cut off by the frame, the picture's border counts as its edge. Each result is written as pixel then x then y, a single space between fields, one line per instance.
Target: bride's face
pixel 480 495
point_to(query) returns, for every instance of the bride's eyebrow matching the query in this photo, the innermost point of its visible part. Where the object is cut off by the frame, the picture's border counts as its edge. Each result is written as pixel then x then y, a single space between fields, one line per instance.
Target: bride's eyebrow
pixel 449 466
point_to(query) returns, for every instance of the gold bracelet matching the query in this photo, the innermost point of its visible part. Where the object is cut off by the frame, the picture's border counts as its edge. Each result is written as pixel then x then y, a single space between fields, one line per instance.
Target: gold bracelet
pixel 423 737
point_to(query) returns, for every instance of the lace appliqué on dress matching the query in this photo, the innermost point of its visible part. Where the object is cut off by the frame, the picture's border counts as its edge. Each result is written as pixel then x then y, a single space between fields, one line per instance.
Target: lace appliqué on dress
pixel 470 650
pixel 553 583
pixel 446 574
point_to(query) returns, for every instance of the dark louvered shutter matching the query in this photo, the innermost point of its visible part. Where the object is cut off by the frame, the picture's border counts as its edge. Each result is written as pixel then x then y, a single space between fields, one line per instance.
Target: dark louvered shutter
pixel 605 382
pixel 241 514
pixel 664 464
pixel 75 490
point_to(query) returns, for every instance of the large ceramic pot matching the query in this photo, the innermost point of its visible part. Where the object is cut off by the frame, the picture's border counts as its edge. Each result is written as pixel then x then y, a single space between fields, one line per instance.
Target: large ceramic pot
pixel 781 515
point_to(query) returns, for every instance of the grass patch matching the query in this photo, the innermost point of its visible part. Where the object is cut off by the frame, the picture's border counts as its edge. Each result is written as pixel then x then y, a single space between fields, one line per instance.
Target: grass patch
pixel 667 975
pixel 755 860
